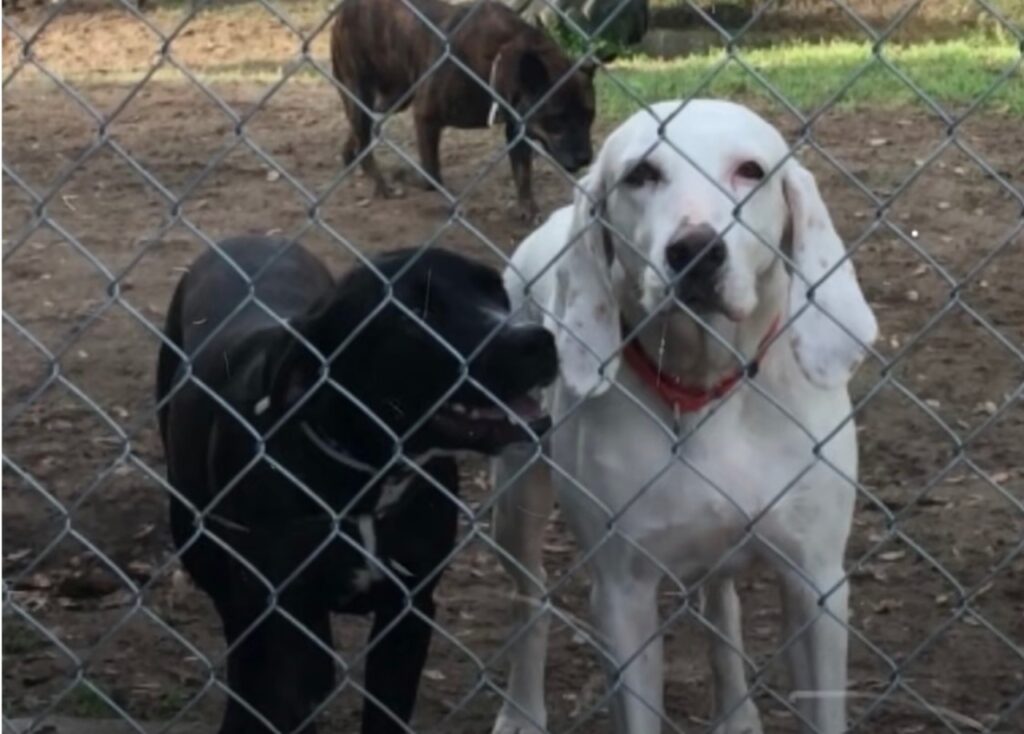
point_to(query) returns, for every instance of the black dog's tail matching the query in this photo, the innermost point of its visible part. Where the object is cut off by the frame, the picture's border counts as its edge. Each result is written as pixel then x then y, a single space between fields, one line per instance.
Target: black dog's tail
pixel 168 360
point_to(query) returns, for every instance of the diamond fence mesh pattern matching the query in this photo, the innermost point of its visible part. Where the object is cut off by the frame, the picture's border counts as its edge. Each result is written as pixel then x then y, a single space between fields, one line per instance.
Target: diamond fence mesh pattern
pixel 101 621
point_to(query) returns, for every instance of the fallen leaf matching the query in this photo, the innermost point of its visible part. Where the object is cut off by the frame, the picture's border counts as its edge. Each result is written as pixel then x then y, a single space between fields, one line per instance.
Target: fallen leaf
pixel 17 555
pixel 140 570
pixel 87 585
pixel 36 581
pixel 887 605
pixel 118 599
pixel 890 556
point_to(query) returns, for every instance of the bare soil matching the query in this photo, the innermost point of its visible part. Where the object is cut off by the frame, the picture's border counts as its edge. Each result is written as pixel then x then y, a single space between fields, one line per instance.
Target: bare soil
pixel 936 567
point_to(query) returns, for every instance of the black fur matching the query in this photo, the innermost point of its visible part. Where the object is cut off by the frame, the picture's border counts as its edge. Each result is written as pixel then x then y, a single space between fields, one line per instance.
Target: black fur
pixel 276 443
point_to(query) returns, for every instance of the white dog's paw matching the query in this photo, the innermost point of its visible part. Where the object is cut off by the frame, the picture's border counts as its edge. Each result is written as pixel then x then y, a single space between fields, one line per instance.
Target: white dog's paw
pixel 512 721
pixel 744 720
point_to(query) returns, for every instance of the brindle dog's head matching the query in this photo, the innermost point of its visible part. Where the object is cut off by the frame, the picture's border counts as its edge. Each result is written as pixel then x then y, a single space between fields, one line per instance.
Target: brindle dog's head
pixel 554 101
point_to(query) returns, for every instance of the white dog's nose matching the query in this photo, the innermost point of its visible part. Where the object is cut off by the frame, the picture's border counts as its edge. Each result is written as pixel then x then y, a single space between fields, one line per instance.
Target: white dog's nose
pixel 701 244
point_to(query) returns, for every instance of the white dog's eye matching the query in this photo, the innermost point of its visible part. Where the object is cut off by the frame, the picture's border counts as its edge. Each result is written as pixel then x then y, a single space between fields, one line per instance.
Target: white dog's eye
pixel 643 173
pixel 750 170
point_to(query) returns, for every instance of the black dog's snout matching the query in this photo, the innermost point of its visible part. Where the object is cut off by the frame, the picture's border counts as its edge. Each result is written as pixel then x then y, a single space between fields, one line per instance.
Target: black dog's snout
pixel 703 243
pixel 536 344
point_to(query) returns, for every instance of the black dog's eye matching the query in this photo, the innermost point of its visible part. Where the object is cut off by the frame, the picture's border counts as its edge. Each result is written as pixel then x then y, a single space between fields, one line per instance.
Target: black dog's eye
pixel 643 173
pixel 750 170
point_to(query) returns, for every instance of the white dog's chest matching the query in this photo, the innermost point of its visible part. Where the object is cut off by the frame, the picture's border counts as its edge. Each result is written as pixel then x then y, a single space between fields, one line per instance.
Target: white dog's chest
pixel 746 478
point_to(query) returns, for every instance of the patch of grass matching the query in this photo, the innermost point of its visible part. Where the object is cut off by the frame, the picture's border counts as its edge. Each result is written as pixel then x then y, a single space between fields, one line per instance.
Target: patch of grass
pixel 20 638
pixel 170 703
pixel 952 73
pixel 84 702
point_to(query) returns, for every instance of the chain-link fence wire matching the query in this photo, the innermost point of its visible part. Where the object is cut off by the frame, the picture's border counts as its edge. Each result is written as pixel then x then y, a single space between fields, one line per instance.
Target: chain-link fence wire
pixel 210 525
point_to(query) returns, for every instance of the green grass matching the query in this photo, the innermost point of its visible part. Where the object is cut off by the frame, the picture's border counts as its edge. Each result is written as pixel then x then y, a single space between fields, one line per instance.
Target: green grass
pixel 19 638
pixel 953 73
pixel 85 703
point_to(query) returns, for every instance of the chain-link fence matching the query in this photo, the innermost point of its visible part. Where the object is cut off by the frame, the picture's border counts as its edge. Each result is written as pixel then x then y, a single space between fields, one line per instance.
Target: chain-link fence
pixel 139 136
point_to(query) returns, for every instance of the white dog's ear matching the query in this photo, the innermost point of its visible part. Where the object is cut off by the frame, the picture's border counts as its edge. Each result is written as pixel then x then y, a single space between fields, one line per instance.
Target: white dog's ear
pixel 827 353
pixel 588 332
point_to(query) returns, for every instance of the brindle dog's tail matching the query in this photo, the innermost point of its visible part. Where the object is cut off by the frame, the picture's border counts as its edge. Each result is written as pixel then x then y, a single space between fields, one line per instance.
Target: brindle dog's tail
pixel 355 95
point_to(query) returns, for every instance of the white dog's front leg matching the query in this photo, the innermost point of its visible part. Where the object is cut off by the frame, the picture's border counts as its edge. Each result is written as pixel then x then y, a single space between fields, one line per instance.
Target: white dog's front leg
pixel 626 611
pixel 734 712
pixel 817 634
pixel 521 513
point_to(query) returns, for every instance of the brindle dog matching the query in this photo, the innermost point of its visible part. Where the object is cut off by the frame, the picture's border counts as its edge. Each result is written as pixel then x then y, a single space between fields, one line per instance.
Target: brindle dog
pixel 387 55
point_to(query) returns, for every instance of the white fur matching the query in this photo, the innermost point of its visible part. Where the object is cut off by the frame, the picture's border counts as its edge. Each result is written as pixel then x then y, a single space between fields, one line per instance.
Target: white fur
pixel 749 456
pixel 368 534
pixel 492 115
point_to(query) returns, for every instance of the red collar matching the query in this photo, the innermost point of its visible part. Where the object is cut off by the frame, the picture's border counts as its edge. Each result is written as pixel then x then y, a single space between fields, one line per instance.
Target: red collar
pixel 686 398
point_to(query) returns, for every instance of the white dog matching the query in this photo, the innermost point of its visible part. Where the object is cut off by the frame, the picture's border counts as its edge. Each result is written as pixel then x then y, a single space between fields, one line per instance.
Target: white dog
pixel 708 321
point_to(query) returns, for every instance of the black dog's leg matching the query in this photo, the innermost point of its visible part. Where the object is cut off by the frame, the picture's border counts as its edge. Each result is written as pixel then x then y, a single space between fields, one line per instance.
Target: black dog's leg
pixel 394 665
pixel 521 158
pixel 280 670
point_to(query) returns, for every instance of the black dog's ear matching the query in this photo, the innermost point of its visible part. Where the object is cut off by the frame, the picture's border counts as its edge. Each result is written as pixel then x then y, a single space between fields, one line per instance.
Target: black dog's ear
pixel 293 368
pixel 533 75
pixel 299 361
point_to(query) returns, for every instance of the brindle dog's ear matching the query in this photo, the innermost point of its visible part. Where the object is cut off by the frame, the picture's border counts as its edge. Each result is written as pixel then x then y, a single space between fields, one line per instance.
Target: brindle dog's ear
pixel 589 67
pixel 533 75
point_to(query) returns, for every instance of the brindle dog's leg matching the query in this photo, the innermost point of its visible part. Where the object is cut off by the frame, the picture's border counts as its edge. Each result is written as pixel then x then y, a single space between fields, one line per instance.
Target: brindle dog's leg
pixel 428 140
pixel 520 155
pixel 361 135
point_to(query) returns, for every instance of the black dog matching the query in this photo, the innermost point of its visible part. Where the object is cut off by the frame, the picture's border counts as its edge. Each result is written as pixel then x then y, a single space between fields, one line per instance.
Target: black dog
pixel 306 485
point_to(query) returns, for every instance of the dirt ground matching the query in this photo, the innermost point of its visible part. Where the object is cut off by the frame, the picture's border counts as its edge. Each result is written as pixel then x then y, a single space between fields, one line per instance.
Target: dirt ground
pixel 935 560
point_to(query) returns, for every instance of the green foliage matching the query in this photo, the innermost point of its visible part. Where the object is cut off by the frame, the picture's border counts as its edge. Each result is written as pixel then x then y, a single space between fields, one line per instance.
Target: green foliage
pixel 84 702
pixel 809 75
pixel 576 44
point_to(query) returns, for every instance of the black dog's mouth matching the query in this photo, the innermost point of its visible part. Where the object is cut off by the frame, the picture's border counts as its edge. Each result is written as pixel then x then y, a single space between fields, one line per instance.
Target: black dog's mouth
pixel 490 428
